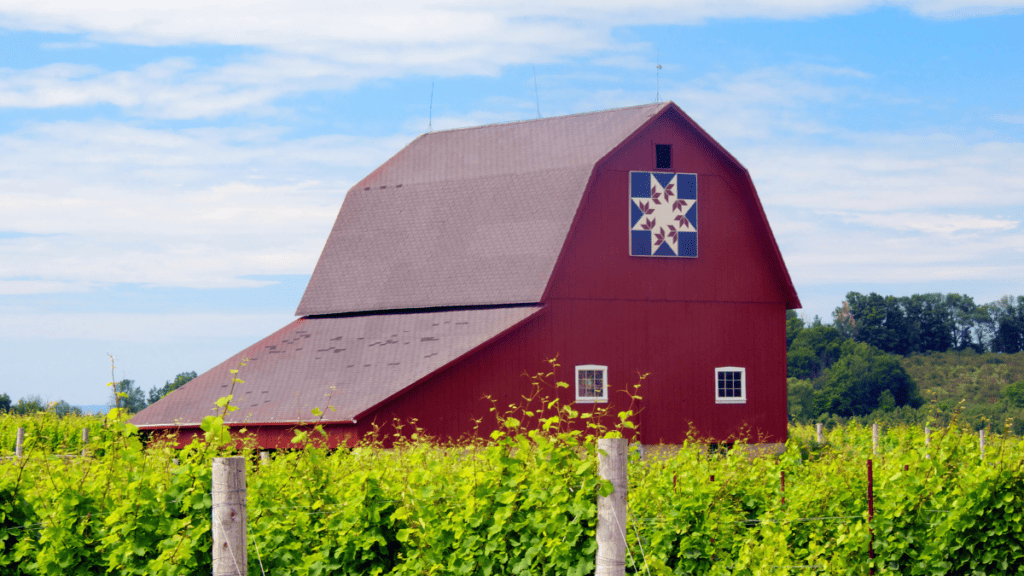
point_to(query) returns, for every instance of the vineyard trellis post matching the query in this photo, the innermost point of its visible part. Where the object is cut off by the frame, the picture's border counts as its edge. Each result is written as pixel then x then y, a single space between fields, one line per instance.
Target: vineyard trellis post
pixel 19 443
pixel 981 442
pixel 871 518
pixel 611 509
pixel 819 428
pixel 228 493
pixel 85 441
pixel 874 438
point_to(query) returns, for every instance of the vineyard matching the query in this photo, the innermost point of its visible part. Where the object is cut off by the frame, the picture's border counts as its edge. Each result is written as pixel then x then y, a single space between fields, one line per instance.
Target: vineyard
pixel 522 502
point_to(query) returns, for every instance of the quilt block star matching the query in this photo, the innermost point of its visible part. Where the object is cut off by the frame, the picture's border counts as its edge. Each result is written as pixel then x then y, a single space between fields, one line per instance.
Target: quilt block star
pixel 663 214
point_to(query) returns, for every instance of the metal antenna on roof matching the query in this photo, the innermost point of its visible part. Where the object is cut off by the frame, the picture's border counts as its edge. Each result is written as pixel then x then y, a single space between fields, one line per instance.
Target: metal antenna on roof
pixel 430 118
pixel 657 76
pixel 536 90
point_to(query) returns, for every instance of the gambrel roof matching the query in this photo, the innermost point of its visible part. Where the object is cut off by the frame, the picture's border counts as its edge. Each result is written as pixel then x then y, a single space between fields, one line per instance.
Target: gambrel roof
pixel 475 216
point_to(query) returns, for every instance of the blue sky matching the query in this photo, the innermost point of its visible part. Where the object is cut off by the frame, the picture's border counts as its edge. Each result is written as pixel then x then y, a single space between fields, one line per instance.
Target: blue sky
pixel 170 172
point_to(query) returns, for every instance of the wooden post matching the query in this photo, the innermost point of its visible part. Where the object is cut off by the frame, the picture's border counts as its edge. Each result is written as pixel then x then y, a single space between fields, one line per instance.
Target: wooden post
pixel 229 517
pixel 611 509
pixel 819 427
pixel 871 517
pixel 85 441
pixel 927 440
pixel 981 442
pixel 874 438
pixel 264 457
pixel 19 443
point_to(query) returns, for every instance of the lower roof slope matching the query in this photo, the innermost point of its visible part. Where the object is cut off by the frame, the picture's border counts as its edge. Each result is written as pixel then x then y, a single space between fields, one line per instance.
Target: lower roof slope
pixel 349 363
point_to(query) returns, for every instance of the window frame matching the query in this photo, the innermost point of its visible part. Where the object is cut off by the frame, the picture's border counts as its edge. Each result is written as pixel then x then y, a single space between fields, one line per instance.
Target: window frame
pixel 742 398
pixel 603 399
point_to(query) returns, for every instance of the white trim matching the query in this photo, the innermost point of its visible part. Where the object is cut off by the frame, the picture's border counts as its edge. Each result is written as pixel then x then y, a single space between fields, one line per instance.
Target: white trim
pixel 742 398
pixel 604 384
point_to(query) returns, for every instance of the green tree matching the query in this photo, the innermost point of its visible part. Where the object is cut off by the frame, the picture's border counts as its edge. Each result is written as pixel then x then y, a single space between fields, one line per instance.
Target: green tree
pixel 794 324
pixel 800 399
pixel 967 318
pixel 127 395
pixel 930 323
pixel 29 405
pixel 170 386
pixel 881 322
pixel 813 350
pixel 5 403
pixel 1014 394
pixel 1007 315
pixel 861 380
pixel 842 320
pixel 61 408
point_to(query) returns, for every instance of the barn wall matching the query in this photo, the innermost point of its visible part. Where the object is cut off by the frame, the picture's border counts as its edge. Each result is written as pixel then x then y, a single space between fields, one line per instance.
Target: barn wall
pixel 677 344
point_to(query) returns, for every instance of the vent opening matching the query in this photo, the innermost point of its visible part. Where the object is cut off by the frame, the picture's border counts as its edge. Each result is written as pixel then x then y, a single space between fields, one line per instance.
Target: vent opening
pixel 663 156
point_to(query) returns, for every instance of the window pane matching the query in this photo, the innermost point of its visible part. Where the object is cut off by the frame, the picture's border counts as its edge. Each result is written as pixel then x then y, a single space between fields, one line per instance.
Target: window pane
pixel 730 384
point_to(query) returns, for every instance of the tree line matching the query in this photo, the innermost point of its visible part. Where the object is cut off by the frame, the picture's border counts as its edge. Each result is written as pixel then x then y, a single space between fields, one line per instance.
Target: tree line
pixel 124 394
pixel 856 366
pixel 932 323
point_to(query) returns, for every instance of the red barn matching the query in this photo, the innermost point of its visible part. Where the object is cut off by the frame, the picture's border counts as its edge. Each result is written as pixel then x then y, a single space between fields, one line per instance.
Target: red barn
pixel 623 242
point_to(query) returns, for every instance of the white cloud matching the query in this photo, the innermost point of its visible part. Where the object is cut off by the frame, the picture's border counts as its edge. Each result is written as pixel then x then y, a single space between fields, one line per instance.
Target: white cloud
pixel 931 209
pixel 173 88
pixel 943 224
pixel 313 24
pixel 102 203
pixel 1009 118
pixel 890 173
pixel 310 45
pixel 385 39
pixel 140 327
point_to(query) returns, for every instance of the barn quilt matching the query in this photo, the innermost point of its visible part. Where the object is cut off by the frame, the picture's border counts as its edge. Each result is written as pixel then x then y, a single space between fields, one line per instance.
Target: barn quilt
pixel 663 214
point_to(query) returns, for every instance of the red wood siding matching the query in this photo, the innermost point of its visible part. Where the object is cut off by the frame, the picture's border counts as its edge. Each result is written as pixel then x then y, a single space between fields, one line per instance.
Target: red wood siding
pixel 677 344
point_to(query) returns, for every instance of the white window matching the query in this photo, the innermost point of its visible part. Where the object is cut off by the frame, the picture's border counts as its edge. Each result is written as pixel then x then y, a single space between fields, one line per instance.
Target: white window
pixel 591 383
pixel 730 385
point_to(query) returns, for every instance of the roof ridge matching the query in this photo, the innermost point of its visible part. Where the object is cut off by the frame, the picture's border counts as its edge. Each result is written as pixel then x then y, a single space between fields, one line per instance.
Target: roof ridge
pixel 655 105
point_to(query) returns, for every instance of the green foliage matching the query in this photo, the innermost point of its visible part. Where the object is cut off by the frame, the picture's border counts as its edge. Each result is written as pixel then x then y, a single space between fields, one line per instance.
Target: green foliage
pixel 980 387
pixel 5 403
pixel 918 323
pixel 523 502
pixel 1014 394
pixel 128 396
pixel 48 432
pixel 860 379
pixel 800 399
pixel 830 374
pixel 813 350
pixel 794 324
pixel 29 405
pixel 1006 322
pixel 61 408
pixel 170 386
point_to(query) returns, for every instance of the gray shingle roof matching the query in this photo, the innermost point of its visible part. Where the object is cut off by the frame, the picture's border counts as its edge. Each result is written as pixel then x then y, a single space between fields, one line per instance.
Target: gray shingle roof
pixel 465 217
pixel 365 359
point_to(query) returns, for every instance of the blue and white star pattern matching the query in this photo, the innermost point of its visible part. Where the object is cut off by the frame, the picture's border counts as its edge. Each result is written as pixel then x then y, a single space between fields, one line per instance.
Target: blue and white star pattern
pixel 663 214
